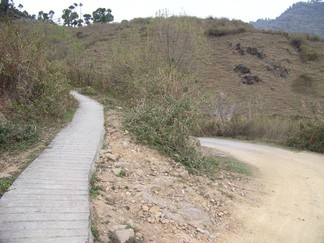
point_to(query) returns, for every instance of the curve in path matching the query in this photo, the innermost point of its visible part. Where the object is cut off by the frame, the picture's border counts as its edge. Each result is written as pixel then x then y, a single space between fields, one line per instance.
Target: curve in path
pixel 291 208
pixel 49 201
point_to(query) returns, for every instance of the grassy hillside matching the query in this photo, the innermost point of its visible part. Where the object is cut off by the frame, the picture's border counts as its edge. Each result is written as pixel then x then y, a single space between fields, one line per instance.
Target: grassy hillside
pixel 288 84
pixel 197 76
pixel 244 82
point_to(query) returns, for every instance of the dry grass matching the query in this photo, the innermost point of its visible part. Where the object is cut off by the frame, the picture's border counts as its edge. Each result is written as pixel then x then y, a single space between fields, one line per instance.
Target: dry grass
pixel 288 87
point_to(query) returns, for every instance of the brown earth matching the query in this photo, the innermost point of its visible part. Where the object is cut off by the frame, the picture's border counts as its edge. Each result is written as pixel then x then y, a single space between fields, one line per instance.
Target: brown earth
pixel 157 197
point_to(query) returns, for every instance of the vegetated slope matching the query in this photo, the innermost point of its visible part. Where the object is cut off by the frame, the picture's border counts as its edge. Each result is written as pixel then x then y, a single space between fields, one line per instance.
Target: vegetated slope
pixel 300 17
pixel 278 81
pixel 271 83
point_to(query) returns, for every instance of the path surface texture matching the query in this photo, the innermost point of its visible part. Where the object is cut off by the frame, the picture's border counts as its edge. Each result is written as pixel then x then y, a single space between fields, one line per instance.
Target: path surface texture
pixel 49 201
pixel 291 203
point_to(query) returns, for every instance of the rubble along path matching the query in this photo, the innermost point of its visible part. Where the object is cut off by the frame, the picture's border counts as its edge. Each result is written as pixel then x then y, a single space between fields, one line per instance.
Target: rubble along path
pixel 49 201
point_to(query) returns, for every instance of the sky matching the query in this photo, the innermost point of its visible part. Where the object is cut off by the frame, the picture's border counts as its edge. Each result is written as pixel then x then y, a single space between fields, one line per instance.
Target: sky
pixel 246 10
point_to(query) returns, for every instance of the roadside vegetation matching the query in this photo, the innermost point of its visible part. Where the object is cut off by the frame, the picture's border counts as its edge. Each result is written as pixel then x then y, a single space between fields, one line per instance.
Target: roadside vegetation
pixel 155 68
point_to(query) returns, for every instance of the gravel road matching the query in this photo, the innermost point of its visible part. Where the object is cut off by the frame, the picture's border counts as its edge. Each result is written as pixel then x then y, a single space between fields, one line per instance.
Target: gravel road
pixel 291 208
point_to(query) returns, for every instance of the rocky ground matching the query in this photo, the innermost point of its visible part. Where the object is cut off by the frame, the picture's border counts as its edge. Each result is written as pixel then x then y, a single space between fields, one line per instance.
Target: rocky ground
pixel 142 196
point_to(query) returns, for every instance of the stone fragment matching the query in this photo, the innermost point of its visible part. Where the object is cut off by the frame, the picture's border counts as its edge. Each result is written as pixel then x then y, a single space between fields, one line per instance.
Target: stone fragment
pixel 145 208
pixel 154 209
pixel 123 235
pixel 111 157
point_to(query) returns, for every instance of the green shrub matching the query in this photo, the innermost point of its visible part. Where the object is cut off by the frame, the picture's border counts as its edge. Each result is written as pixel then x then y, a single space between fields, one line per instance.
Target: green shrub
pixel 11 134
pixel 165 125
pixel 310 136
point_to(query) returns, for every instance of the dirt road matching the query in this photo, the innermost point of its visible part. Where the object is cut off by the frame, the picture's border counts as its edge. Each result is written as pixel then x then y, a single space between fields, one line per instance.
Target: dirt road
pixel 291 202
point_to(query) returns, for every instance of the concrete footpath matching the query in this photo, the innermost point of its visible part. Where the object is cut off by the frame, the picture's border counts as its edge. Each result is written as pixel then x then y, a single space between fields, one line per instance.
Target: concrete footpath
pixel 49 201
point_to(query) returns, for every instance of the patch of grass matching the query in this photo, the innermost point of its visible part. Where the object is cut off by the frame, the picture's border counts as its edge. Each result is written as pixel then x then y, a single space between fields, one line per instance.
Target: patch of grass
pixel 233 165
pixel 5 184
pixel 94 189
pixel 129 226
pixel 122 174
pixel 88 90
pixel 95 232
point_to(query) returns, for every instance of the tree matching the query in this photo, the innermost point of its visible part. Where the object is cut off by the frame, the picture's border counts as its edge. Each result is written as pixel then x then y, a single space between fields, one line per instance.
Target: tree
pixel 4 6
pixel 102 15
pixel 87 18
pixel 80 22
pixel 71 17
pixel 7 8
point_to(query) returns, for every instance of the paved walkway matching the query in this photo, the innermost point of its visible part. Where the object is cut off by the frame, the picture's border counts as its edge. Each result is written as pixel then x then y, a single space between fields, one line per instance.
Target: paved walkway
pixel 49 201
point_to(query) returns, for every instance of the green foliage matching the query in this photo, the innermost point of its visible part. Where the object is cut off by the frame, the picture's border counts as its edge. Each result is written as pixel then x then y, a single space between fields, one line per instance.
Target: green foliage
pixel 298 133
pixel 5 185
pixel 122 174
pixel 94 190
pixel 164 124
pixel 102 15
pixel 95 232
pixel 9 11
pixel 12 134
pixel 230 164
pixel 310 136
pixel 88 90
pixel 34 83
pixel 129 226
pixel 70 17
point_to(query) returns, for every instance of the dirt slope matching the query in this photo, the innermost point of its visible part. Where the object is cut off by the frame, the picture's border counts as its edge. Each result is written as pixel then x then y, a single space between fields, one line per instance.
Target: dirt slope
pixel 290 207
pixel 138 188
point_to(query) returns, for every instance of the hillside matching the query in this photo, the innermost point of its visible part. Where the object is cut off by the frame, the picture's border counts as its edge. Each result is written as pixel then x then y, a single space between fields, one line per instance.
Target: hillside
pixel 286 84
pixel 304 17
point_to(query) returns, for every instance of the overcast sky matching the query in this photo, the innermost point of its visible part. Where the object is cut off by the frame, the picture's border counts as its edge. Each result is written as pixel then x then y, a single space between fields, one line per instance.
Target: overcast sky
pixel 246 10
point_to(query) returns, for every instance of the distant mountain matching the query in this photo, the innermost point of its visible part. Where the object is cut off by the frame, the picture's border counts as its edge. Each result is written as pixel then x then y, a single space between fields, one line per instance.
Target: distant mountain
pixel 305 17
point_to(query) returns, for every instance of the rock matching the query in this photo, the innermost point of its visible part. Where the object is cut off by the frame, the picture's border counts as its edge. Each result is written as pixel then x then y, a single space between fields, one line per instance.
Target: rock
pixel 111 157
pixel 128 165
pixel 117 171
pixel 154 209
pixel 278 69
pixel 238 46
pixel 164 221
pixel 184 174
pixel 145 208
pixel 254 51
pixel 123 235
pixel 151 220
pixel 113 228
pixel 250 79
pixel 205 232
pixel 242 69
